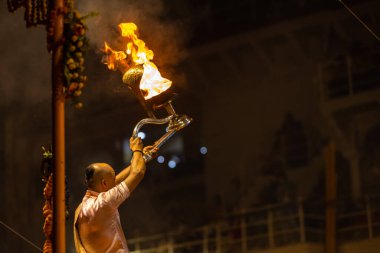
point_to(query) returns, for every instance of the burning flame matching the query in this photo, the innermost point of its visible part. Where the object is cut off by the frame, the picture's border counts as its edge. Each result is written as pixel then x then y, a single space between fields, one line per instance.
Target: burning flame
pixel 113 59
pixel 136 52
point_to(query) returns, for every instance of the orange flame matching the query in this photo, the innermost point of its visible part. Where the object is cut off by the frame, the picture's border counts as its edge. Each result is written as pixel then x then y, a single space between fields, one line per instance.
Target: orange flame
pixel 113 59
pixel 136 52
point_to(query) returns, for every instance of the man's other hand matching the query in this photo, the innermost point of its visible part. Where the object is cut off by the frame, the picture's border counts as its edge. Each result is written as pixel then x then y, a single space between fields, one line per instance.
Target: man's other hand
pixel 151 150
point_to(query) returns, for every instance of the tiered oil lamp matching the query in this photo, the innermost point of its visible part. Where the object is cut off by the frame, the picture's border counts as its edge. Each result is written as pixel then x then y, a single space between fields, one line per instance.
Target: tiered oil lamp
pixel 163 100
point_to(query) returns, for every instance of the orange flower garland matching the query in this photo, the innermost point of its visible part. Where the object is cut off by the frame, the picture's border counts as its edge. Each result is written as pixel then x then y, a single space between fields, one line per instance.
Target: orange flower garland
pixel 47 212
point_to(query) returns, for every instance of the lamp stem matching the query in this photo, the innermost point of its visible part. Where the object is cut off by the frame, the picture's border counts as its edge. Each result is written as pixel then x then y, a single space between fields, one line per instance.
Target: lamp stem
pixel 169 108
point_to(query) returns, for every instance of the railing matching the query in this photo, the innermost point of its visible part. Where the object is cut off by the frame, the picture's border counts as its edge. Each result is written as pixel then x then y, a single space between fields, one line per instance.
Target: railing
pixel 362 223
pixel 268 227
pixel 243 231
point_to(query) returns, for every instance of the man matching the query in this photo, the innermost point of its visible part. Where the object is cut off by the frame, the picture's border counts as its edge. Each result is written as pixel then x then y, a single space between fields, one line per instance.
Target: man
pixel 97 225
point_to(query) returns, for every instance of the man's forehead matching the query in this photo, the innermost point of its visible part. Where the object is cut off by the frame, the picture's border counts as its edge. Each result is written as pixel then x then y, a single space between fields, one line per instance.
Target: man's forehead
pixel 103 166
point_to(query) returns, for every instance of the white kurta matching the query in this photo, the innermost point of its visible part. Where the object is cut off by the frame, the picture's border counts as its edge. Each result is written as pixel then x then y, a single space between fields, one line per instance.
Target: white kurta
pixel 98 221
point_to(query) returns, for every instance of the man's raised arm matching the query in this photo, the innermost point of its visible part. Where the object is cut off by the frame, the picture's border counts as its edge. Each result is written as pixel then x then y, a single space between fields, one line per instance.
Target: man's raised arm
pixel 137 168
pixel 123 175
pixel 127 170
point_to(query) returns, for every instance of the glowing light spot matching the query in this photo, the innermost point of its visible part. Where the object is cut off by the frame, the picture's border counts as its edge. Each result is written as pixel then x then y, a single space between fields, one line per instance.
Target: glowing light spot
pixel 203 150
pixel 142 135
pixel 172 164
pixel 161 159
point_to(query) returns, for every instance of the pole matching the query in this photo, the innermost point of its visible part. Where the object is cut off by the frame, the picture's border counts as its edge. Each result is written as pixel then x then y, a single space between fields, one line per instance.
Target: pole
pixel 330 199
pixel 301 216
pixel 270 228
pixel 205 239
pixel 369 217
pixel 243 231
pixel 218 238
pixel 58 101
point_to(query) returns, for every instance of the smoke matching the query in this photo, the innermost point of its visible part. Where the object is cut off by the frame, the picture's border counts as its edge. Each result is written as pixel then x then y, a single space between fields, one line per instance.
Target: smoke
pixel 25 73
pixel 25 62
pixel 165 38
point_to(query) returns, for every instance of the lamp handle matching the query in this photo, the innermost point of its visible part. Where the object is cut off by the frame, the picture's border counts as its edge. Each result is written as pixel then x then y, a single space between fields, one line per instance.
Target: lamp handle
pixel 176 123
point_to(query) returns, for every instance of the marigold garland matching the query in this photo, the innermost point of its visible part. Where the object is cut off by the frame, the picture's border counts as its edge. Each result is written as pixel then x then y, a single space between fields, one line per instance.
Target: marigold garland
pixel 75 47
pixel 74 40
pixel 47 212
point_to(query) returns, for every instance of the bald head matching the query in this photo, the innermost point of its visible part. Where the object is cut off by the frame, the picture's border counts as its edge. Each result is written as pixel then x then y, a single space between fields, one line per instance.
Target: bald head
pixel 99 177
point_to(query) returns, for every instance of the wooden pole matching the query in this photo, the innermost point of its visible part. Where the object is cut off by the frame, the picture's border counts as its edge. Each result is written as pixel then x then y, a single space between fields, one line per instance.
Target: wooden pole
pixel 330 199
pixel 58 101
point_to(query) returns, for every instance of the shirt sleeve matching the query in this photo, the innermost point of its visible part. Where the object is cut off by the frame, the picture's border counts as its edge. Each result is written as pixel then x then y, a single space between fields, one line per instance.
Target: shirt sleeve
pixel 114 196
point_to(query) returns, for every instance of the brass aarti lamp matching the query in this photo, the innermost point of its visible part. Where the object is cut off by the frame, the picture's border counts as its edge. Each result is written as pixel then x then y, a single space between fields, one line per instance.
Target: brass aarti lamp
pixel 141 75
pixel 132 78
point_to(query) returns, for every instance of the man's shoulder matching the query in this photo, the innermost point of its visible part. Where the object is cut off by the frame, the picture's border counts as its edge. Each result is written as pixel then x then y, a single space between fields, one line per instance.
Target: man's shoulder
pixel 115 195
pixel 118 189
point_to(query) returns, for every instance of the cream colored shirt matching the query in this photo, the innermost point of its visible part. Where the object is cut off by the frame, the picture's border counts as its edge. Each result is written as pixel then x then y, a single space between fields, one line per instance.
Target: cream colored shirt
pixel 99 221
